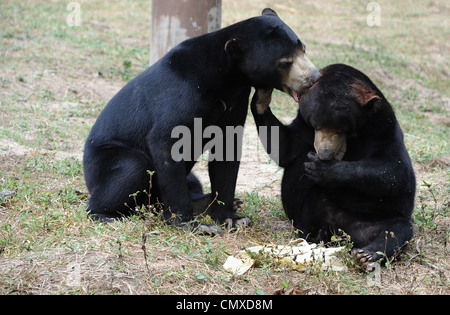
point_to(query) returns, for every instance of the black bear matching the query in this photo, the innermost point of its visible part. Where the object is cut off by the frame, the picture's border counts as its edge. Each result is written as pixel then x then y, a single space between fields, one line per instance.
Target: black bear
pixel 359 179
pixel 204 81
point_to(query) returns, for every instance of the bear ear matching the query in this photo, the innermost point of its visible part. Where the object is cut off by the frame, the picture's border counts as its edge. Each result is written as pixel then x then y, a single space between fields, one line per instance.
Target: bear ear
pixel 365 96
pixel 233 48
pixel 270 12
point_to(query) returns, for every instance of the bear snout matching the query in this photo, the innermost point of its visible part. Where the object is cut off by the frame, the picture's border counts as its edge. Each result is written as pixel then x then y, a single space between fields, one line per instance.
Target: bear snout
pixel 325 155
pixel 315 76
pixel 330 144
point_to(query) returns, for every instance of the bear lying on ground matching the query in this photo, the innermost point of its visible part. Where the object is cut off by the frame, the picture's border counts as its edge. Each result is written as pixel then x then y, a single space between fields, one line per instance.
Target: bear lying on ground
pixel 209 78
pixel 360 178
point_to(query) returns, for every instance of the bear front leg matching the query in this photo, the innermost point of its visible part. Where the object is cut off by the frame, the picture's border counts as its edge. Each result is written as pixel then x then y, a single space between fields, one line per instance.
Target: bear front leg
pixel 223 176
pixel 376 177
pixel 274 135
pixel 324 172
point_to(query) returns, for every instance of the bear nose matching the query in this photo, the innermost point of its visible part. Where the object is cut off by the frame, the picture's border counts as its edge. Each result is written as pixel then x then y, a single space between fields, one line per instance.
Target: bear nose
pixel 325 155
pixel 315 76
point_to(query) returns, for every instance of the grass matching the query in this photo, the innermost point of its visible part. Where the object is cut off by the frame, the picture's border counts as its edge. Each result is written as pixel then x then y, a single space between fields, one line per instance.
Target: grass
pixel 55 79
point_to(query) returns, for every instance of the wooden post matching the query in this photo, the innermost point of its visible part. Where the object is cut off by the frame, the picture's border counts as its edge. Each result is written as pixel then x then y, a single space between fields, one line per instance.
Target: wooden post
pixel 176 20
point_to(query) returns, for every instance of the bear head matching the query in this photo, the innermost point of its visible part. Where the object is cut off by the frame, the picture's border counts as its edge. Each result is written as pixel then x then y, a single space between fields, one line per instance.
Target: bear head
pixel 338 106
pixel 270 55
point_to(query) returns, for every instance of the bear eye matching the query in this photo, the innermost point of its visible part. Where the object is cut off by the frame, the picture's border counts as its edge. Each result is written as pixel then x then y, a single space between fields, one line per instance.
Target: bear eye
pixel 285 62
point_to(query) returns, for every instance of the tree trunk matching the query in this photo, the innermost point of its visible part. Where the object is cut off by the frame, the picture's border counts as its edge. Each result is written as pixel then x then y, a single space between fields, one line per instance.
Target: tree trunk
pixel 176 20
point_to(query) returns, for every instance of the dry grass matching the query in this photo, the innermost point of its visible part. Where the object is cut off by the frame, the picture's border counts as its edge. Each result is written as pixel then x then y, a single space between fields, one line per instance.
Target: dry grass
pixel 56 79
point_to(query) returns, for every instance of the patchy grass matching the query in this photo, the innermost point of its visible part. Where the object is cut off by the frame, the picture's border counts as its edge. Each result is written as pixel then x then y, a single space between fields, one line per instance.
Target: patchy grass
pixel 55 80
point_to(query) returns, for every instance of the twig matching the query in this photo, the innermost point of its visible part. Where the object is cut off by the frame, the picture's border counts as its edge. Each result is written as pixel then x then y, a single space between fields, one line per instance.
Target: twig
pixel 144 249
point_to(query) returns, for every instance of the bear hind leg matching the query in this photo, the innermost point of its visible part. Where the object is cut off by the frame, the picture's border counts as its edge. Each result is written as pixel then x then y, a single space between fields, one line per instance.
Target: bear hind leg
pixel 117 181
pixel 391 238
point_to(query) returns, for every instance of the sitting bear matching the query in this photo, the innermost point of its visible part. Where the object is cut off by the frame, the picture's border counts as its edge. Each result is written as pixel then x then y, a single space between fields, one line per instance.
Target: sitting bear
pixel 360 178
pixel 207 78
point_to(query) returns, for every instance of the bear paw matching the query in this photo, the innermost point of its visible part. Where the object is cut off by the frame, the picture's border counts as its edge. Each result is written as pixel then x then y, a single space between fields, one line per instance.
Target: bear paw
pixel 202 229
pixel 365 258
pixel 236 222
pixel 237 204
